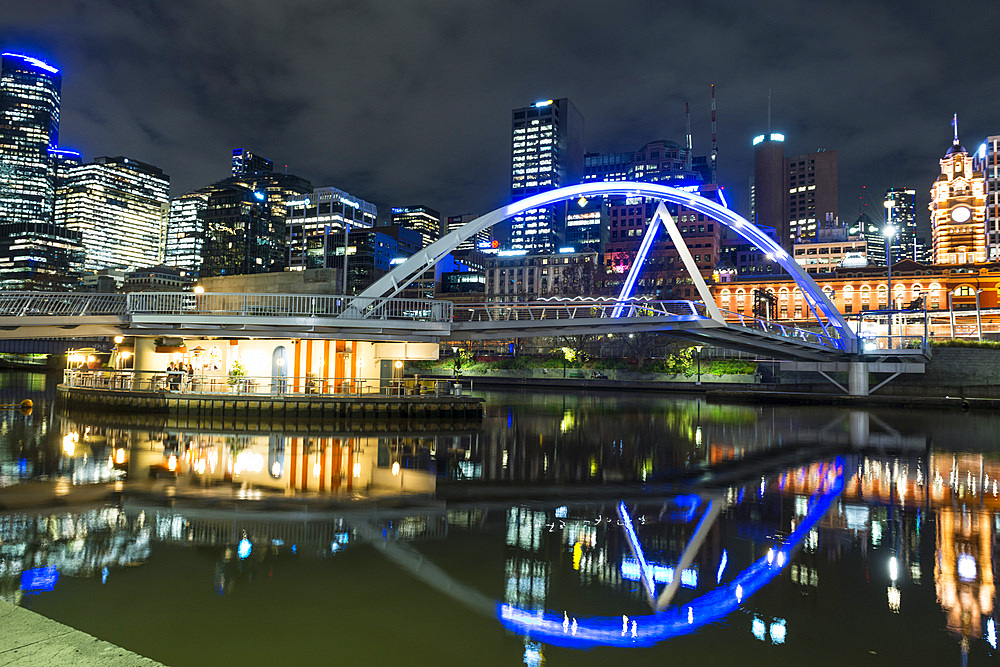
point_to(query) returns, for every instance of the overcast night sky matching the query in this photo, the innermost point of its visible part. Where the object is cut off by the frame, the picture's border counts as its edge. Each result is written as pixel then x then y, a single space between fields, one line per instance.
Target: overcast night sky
pixel 404 102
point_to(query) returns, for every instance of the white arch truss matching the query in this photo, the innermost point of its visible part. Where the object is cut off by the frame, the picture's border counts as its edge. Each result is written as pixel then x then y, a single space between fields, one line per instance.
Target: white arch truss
pixel 396 280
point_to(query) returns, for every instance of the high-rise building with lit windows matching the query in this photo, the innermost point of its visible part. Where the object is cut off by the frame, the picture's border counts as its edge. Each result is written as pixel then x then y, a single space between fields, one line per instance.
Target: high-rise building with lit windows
pixel 546 153
pixel 796 195
pixel 245 162
pixel 245 230
pixel 987 161
pixel 186 231
pixel 958 208
pixel 318 226
pixel 901 215
pixel 119 207
pixel 480 241
pixel 35 253
pixel 421 219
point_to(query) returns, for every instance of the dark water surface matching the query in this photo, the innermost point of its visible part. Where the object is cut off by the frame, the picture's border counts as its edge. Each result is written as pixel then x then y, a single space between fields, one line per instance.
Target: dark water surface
pixel 816 536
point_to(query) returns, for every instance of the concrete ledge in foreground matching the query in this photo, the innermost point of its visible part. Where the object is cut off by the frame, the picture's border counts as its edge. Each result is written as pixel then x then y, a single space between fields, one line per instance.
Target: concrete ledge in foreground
pixel 28 639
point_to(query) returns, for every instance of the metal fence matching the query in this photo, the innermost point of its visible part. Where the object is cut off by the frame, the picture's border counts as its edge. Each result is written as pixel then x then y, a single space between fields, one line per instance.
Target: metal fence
pixel 21 304
pixel 783 330
pixel 182 383
pixel 285 305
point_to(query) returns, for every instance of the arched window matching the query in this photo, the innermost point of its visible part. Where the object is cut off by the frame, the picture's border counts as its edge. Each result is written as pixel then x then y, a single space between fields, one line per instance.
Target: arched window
pixel 934 294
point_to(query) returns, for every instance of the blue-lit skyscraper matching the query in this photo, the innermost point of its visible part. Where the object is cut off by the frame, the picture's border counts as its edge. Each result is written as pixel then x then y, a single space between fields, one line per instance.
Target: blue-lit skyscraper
pixel 35 253
pixel 546 153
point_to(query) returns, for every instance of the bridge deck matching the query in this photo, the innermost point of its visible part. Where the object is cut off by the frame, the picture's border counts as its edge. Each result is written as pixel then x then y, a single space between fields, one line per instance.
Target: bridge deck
pixel 32 314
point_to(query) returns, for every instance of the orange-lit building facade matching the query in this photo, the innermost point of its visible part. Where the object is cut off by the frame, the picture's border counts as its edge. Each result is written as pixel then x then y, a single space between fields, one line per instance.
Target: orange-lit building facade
pixel 958 209
pixel 861 289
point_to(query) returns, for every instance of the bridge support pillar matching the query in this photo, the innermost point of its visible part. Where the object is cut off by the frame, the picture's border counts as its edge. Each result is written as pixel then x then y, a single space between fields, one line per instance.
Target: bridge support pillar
pixel 857 379
pixel 859 428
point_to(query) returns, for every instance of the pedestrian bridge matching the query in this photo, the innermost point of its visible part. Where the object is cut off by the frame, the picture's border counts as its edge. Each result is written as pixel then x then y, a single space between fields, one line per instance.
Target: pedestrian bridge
pixel 175 314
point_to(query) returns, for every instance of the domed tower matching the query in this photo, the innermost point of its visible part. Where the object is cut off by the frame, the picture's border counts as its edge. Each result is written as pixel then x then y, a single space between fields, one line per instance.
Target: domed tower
pixel 958 208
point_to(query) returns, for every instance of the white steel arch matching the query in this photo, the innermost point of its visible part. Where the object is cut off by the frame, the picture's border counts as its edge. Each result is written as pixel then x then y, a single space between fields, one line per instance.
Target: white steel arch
pixel 396 280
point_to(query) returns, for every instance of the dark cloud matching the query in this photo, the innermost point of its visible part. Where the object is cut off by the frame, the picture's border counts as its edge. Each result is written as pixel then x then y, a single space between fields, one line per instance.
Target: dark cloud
pixel 409 102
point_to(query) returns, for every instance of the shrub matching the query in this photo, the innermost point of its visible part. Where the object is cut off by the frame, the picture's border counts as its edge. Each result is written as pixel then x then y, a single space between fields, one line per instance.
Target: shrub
pixel 964 342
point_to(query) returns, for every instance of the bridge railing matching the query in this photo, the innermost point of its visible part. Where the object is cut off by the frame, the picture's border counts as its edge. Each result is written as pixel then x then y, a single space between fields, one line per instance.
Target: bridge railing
pixel 128 380
pixel 284 305
pixel 571 309
pixel 60 304
pixel 783 330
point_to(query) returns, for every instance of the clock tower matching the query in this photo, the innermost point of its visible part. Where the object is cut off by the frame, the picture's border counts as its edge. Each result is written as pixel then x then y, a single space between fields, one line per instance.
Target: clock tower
pixel 958 208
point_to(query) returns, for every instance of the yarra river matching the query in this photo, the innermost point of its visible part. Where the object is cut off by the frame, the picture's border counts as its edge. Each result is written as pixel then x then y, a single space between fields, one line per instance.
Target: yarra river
pixel 544 535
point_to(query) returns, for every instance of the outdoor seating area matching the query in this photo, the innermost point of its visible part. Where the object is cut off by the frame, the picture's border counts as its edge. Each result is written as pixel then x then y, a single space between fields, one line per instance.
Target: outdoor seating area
pixel 128 380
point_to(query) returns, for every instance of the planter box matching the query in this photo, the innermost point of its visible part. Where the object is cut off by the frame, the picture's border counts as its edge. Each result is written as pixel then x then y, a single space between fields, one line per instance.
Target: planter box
pixel 169 349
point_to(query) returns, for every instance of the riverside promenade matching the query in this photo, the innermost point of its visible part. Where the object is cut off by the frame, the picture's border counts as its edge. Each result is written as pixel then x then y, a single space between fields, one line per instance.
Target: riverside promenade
pixel 28 639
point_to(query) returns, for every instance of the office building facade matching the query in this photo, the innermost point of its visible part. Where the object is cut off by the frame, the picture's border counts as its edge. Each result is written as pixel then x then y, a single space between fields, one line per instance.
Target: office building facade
pixel 119 207
pixel 186 231
pixel 318 224
pixel 421 219
pixel 796 195
pixel 901 215
pixel 246 162
pixel 35 253
pixel 987 162
pixel 546 153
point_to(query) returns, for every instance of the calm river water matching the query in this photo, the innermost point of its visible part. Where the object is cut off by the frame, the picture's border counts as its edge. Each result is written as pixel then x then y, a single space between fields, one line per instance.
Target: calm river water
pixel 546 535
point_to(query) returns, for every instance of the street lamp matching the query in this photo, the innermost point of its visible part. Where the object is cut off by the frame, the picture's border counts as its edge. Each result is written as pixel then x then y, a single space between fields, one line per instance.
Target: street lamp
pixel 979 317
pixel 889 232
pixel 697 349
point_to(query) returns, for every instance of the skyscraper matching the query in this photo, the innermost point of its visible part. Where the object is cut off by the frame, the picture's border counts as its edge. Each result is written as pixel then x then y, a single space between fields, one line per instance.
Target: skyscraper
pixel 244 223
pixel 421 219
pixel 902 216
pixel 241 234
pixel 987 161
pixel 958 208
pixel 797 195
pixel 245 162
pixel 546 153
pixel 477 242
pixel 34 252
pixel 186 231
pixel 318 223
pixel 810 194
pixel 768 182
pixel 119 207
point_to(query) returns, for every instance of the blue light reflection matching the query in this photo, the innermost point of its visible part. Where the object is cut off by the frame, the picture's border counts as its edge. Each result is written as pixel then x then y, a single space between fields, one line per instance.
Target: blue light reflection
pixel 588 632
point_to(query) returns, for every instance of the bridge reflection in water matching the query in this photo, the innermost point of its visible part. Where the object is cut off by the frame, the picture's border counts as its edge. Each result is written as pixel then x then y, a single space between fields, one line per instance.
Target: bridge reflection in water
pixel 773 526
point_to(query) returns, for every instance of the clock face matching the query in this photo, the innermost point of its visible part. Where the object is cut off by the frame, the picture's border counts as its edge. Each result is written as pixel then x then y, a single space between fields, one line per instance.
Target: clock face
pixel 961 213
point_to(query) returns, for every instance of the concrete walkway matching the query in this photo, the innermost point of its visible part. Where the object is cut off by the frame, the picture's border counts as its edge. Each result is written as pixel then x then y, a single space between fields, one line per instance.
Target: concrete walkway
pixel 28 639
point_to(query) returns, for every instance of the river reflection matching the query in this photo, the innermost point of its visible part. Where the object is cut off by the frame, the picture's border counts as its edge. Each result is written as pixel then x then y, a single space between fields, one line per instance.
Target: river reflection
pixel 838 537
pixel 909 554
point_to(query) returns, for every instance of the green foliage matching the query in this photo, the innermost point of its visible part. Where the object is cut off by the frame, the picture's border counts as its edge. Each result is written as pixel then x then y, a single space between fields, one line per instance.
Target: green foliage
pixel 609 364
pixel 730 367
pixel 237 372
pixel 964 342
pixel 511 364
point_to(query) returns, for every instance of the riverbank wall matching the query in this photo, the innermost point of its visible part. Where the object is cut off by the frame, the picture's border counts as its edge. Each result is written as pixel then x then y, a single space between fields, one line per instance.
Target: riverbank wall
pixel 951 372
pixel 272 407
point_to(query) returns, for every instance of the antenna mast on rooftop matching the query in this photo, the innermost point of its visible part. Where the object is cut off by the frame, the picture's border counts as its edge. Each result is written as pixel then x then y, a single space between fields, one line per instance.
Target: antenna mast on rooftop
pixel 687 142
pixel 715 142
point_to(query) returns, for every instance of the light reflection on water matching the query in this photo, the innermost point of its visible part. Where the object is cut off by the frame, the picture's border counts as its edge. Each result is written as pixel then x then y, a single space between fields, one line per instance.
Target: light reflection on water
pixel 900 566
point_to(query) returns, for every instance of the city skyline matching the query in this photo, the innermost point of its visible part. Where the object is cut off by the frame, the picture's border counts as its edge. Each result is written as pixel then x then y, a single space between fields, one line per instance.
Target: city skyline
pixel 427 118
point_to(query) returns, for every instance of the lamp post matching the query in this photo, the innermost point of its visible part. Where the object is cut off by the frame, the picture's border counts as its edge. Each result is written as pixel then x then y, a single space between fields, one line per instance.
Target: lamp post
pixel 951 313
pixel 979 317
pixel 697 350
pixel 889 232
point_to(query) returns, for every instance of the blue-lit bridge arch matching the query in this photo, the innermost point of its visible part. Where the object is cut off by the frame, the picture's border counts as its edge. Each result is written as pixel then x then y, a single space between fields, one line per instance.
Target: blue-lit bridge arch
pixel 403 275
